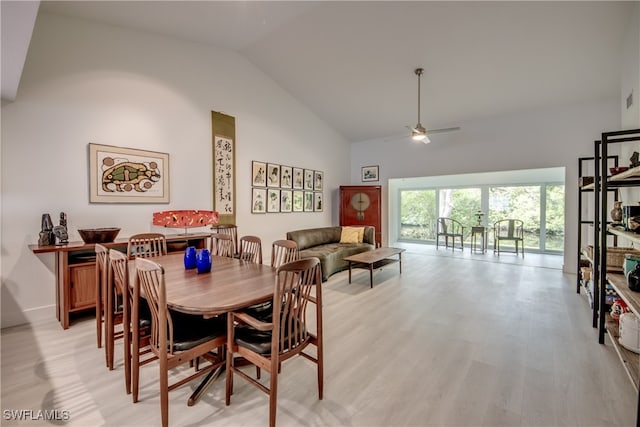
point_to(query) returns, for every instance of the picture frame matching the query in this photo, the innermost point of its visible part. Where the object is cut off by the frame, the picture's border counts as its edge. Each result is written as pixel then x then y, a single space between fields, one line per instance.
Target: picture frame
pixel 298 201
pixel 258 174
pixel 298 178
pixel 318 202
pixel 110 169
pixel 308 179
pixel 286 200
pixel 370 173
pixel 318 180
pixel 259 200
pixel 273 200
pixel 308 201
pixel 273 175
pixel 286 177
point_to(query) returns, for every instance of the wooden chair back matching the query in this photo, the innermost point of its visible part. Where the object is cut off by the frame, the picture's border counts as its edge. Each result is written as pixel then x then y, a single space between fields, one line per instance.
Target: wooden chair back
pixel 222 245
pixel 230 229
pixel 508 229
pixel 297 283
pixel 147 245
pixel 284 251
pixel 251 249
pixel 101 280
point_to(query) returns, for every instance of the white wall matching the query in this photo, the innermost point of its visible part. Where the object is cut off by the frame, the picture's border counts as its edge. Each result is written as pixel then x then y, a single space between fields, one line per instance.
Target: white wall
pixel 554 137
pixel 630 73
pixel 85 83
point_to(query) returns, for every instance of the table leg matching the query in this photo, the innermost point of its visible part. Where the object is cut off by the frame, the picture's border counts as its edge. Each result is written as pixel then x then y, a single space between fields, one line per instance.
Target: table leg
pixel 349 271
pixel 400 261
pixel 204 385
pixel 371 275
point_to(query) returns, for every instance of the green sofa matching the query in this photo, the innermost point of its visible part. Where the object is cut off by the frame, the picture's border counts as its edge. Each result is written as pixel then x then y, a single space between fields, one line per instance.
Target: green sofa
pixel 324 244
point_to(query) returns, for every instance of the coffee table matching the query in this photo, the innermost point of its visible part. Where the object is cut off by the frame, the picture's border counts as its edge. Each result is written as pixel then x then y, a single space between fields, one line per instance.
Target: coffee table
pixel 374 259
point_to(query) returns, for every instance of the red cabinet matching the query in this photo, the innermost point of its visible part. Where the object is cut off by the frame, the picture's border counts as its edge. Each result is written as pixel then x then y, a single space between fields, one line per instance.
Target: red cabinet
pixel 362 205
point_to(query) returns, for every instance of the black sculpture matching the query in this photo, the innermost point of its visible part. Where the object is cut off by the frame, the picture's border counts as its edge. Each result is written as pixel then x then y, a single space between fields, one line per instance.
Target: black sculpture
pixel 46 231
pixel 635 159
pixel 60 231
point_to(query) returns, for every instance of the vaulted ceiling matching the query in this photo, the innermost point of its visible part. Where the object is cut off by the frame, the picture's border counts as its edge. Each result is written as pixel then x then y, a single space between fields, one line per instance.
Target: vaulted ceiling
pixel 352 62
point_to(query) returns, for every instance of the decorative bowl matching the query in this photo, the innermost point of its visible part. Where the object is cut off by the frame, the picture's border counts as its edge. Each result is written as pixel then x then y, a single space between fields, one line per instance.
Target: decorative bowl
pixel 617 170
pixel 99 235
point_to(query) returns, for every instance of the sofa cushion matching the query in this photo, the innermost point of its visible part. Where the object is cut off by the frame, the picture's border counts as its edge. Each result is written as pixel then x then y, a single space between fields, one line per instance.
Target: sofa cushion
pixel 332 255
pixel 315 236
pixel 350 234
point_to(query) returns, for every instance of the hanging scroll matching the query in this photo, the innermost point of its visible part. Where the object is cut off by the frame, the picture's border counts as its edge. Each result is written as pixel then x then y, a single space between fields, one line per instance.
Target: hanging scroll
pixel 224 174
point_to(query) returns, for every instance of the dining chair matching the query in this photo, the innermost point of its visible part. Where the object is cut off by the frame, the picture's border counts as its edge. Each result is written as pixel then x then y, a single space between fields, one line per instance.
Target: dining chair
pixel 250 249
pixel 118 262
pixel 508 230
pixel 176 338
pixel 231 230
pixel 101 280
pixel 147 245
pixel 268 345
pixel 283 251
pixel 113 311
pixel 221 245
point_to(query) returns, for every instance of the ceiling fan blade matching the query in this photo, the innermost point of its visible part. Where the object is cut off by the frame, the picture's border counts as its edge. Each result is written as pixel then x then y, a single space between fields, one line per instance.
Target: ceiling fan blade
pixel 443 130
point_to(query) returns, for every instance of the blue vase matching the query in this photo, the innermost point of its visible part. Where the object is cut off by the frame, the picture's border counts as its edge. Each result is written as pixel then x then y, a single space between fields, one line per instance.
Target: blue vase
pixel 203 261
pixel 190 258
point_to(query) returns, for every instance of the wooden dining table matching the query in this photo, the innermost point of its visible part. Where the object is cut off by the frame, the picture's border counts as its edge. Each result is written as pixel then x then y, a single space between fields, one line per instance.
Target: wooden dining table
pixel 231 285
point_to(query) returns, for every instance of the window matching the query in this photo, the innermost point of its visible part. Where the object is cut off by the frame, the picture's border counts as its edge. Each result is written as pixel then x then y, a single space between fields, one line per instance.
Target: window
pixel 418 215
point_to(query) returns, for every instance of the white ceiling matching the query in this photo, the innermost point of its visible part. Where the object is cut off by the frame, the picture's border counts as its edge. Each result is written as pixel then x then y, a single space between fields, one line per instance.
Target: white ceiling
pixel 352 62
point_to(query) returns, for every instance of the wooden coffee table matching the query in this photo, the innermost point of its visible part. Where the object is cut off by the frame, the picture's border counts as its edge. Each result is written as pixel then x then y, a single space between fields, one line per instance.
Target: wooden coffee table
pixel 374 259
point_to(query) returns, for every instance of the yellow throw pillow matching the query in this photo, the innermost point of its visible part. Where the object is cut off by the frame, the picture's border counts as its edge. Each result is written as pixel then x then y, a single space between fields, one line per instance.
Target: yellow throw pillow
pixel 349 235
pixel 360 234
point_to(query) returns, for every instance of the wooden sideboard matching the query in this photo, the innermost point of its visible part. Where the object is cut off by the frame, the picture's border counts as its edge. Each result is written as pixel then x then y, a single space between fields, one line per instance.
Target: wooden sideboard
pixel 76 270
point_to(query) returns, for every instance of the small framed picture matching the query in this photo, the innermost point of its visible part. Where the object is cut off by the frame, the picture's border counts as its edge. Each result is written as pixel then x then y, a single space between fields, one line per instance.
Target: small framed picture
pixel 308 201
pixel 298 179
pixel 258 174
pixel 273 175
pixel 286 201
pixel 298 201
pixel 273 200
pixel 286 176
pixel 259 200
pixel 308 179
pixel 370 173
pixel 318 180
pixel 317 202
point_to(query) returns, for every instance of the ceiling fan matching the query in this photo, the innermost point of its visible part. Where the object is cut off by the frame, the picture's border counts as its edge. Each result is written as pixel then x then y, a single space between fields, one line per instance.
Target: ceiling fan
pixel 418 132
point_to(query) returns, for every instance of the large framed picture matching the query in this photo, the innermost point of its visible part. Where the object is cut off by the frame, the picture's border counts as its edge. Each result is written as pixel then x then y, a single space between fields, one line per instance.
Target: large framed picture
pixel 127 175
pixel 370 173
pixel 258 174
pixel 273 175
pixel 259 200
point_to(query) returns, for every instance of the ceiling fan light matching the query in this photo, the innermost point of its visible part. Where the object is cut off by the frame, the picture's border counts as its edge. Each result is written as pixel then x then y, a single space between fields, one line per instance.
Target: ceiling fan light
pixel 417 136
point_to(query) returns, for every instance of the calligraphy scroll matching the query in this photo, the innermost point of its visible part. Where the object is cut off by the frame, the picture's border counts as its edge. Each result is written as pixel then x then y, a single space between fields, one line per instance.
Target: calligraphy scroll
pixel 224 174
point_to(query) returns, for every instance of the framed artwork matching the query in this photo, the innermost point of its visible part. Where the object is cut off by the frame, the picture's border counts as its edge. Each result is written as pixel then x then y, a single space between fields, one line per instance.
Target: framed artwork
pixel 317 202
pixel 308 201
pixel 259 200
pixel 127 175
pixel 286 176
pixel 308 179
pixel 273 175
pixel 298 201
pixel 273 200
pixel 298 179
pixel 224 175
pixel 318 180
pixel 370 173
pixel 258 174
pixel 286 201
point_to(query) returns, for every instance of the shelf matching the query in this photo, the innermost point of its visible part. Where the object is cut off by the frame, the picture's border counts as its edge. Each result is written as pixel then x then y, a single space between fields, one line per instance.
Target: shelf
pixel 629 235
pixel 619 283
pixel 630 360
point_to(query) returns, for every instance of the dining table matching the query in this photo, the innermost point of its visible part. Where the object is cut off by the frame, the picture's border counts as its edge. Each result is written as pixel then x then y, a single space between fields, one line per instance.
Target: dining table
pixel 231 285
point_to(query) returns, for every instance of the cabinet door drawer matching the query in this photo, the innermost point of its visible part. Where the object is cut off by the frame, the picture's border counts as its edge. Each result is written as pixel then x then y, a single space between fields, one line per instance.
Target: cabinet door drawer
pixel 83 286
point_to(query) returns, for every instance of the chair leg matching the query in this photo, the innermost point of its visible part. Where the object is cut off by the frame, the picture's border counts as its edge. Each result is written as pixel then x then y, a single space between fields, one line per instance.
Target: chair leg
pixel 127 353
pixel 273 397
pixel 99 318
pixel 135 365
pixel 229 361
pixel 164 391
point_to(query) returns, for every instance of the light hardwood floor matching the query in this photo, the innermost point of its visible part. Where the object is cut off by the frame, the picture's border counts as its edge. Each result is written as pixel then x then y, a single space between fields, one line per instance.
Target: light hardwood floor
pixel 454 341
